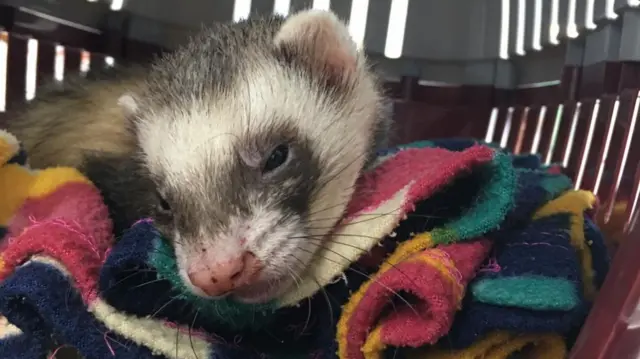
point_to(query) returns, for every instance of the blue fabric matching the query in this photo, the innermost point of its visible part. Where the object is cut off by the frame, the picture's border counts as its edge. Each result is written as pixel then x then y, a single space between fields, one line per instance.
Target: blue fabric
pixel 541 250
pixel 599 252
pixel 129 283
pixel 39 299
pixel 478 319
pixel 534 189
pixel 31 346
pixel 19 158
pixel 539 268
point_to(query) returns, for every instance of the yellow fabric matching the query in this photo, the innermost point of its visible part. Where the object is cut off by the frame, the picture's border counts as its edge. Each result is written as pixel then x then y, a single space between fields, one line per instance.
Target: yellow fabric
pixel 18 183
pixel 501 345
pixel 576 203
pixel 374 346
pixel 418 243
pixel 46 181
pixel 405 250
pixel 15 182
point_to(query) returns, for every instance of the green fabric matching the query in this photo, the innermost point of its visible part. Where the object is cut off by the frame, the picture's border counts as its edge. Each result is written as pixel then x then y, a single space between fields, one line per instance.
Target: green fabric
pixel 489 207
pixel 555 185
pixel 233 315
pixel 537 293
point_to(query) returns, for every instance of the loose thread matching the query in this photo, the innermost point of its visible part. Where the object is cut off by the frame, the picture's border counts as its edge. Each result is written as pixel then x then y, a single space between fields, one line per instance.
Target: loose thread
pixel 106 341
pixel 55 352
pixel 143 220
pixel 448 268
pixel 446 260
pixel 492 266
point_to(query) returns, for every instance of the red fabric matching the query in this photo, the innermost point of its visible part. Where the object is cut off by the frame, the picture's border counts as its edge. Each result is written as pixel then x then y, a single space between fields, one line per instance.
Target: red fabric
pixel 404 328
pixel 71 225
pixel 434 304
pixel 427 168
pixel 77 202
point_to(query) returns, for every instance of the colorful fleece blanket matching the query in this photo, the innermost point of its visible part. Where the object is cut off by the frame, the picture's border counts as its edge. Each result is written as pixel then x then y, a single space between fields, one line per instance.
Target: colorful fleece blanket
pixel 431 250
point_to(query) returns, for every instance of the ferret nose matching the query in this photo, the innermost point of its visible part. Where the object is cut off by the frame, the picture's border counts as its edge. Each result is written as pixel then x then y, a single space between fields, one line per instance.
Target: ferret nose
pixel 218 279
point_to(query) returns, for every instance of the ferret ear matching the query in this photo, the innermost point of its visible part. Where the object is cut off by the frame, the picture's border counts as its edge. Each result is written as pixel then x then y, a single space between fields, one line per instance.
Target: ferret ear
pixel 129 105
pixel 319 39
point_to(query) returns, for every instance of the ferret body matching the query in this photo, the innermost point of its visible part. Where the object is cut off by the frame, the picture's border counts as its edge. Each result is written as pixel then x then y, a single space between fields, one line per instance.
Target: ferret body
pixel 244 146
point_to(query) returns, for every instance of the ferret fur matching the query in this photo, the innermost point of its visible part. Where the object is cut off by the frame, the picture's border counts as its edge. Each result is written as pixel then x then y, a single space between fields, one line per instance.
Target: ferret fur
pixel 196 127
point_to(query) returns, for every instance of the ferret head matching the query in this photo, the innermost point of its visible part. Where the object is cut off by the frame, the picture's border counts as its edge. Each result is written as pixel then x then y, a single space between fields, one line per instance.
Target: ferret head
pixel 255 134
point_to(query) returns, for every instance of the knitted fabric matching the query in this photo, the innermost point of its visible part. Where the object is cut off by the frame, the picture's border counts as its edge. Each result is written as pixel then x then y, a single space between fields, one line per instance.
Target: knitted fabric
pixel 478 180
pixel 598 247
pixel 63 218
pixel 458 221
pixel 133 281
pixel 48 304
pixel 497 305
pixel 436 278
pixel 576 203
pixel 501 345
pixel 477 319
pixel 535 267
pixel 64 281
pixel 525 161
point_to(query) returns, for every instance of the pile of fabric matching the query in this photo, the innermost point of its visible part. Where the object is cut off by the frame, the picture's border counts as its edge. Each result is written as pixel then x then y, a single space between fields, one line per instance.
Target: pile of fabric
pixel 449 249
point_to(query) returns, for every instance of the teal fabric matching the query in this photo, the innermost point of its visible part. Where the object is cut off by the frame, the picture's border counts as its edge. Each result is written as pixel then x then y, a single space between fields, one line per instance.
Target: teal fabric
pixel 535 292
pixel 232 314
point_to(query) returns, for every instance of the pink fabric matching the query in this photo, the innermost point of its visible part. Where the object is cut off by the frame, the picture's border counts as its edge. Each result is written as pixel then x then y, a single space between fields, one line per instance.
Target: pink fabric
pixel 428 168
pixel 71 225
pixel 404 328
pixel 436 300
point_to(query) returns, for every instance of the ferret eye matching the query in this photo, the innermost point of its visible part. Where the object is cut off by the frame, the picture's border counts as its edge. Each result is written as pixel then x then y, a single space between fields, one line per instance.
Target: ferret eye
pixel 276 159
pixel 162 203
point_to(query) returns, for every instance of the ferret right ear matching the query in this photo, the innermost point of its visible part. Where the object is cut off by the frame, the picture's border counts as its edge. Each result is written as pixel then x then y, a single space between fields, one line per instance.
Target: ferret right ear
pixel 128 104
pixel 319 39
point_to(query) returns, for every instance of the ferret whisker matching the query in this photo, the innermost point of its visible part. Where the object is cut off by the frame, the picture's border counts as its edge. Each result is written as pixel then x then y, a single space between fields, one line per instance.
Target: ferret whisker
pixel 334 176
pixel 320 288
pixel 373 217
pixel 114 285
pixel 229 143
pixel 147 283
pixel 339 172
pixel 177 339
pixel 193 322
pixel 379 215
pixel 297 280
pixel 393 292
pixel 321 244
pixel 327 208
pixel 329 239
pixel 171 300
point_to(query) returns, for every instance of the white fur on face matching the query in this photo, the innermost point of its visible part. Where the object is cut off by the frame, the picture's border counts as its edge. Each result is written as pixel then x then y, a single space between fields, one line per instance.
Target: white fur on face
pixel 180 143
pixel 282 248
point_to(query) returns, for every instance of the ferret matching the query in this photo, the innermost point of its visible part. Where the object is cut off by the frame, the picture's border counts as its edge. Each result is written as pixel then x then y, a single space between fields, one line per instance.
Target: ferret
pixel 243 145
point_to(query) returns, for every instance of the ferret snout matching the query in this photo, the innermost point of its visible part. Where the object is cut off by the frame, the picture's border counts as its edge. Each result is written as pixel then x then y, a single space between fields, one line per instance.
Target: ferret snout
pixel 219 278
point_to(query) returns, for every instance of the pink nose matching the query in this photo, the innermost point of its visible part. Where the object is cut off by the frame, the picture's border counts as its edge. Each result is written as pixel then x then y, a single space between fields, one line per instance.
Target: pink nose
pixel 220 278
